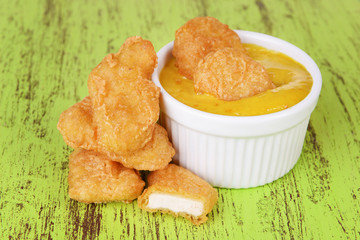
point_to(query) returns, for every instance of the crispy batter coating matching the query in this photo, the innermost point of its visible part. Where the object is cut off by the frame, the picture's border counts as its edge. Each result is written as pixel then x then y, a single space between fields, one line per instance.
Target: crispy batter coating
pixel 156 154
pixel 198 37
pixel 94 178
pixel 77 127
pixel 79 131
pixel 229 74
pixel 138 53
pixel 125 103
pixel 179 181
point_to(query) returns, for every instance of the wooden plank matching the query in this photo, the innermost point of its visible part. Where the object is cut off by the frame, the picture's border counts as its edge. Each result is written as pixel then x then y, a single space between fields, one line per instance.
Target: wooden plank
pixel 47 50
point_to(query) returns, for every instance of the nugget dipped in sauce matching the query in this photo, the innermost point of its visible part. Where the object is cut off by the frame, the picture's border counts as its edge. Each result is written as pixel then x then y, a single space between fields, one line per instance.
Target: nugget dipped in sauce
pixel 178 191
pixel 125 102
pixel 212 55
pixel 229 74
pixel 198 37
pixel 94 178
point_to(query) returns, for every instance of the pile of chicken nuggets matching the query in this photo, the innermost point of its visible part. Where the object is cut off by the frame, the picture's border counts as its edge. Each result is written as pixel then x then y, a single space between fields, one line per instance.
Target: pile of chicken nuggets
pixel 115 134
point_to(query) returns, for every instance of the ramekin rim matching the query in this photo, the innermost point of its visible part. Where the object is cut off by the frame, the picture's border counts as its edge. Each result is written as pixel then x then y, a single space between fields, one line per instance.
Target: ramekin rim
pixel 309 99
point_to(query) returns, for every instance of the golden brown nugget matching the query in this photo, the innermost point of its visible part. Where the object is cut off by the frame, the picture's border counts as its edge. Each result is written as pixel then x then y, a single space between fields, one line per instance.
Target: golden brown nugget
pixel 77 127
pixel 137 53
pixel 125 102
pixel 229 74
pixel 178 191
pixel 94 178
pixel 155 155
pixel 198 37
pixel 79 131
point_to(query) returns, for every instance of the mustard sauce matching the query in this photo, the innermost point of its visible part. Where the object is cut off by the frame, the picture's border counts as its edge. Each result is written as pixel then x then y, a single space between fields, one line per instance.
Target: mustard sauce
pixel 293 83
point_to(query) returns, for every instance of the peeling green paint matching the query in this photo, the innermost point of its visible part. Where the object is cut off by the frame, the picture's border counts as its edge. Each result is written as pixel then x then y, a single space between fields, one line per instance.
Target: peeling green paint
pixel 47 50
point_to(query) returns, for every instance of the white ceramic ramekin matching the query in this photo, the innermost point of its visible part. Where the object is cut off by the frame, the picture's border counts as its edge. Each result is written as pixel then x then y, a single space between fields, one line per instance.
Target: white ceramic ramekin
pixel 239 152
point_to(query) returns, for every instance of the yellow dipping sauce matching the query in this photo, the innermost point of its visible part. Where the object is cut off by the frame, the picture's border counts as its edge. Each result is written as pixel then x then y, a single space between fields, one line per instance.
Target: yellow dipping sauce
pixel 293 83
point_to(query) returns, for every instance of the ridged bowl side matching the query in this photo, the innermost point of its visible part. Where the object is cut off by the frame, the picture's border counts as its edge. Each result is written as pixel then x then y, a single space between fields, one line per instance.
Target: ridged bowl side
pixel 236 162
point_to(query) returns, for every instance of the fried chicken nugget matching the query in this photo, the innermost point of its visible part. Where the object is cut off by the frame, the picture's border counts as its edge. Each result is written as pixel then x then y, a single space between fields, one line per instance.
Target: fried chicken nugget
pixel 77 127
pixel 155 155
pixel 125 103
pixel 138 53
pixel 229 74
pixel 178 191
pixel 198 37
pixel 79 131
pixel 94 178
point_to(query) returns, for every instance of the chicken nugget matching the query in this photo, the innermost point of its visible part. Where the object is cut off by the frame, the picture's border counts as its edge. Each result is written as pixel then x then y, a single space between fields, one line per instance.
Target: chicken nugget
pixel 79 131
pixel 229 74
pixel 198 37
pixel 77 127
pixel 156 154
pixel 138 53
pixel 125 103
pixel 94 178
pixel 178 191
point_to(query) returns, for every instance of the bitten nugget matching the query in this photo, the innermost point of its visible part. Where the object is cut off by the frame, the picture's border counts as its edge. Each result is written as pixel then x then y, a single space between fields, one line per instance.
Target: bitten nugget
pixel 94 178
pixel 179 192
pixel 198 37
pixel 125 102
pixel 229 74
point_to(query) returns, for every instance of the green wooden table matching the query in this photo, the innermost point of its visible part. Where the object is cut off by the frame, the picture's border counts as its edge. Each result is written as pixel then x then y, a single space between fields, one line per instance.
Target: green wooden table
pixel 47 50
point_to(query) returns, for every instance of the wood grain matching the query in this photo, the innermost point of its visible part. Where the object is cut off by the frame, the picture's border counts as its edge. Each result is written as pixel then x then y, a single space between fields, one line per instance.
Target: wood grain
pixel 47 50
